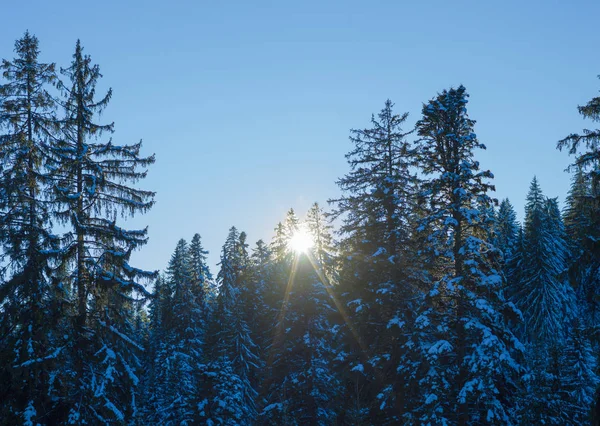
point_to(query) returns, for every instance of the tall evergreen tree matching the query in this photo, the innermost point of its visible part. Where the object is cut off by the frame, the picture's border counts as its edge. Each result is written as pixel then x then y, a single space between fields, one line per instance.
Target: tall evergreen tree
pixel 234 357
pixel 303 386
pixel 471 356
pixel 542 292
pixel 584 147
pixel 91 182
pixel 178 340
pixel 378 187
pixel 508 238
pixel 507 230
pixel 377 257
pixel 201 276
pixel 32 303
pixel 320 229
pixel 579 225
pixel 547 302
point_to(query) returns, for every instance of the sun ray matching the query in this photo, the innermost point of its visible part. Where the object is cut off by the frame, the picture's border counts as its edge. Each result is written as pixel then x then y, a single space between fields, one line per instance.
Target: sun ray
pixel 301 243
pixel 278 326
pixel 336 302
pixel 364 350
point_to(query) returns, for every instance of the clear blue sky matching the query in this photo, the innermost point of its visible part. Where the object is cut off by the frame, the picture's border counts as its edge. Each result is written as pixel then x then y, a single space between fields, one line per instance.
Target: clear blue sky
pixel 247 104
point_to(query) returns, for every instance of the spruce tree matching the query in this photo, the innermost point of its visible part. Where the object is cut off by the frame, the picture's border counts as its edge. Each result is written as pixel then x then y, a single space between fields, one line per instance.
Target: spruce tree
pixel 303 386
pixel 178 342
pixel 377 260
pixel 32 301
pixel 578 373
pixel 201 276
pixel 320 229
pixel 233 359
pixel 542 293
pixel 471 356
pixel 508 239
pixel 507 230
pixel 92 181
pixel 584 147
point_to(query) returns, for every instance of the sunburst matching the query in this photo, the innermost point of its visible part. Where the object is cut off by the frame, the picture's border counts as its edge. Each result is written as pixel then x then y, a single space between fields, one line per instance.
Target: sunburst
pixel 301 241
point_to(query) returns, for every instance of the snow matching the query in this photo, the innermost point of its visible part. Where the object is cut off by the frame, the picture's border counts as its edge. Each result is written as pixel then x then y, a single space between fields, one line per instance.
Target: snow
pixel 380 250
pixel 395 321
pixel 430 398
pixel 118 414
pixel 53 355
pixel 359 368
pixel 29 414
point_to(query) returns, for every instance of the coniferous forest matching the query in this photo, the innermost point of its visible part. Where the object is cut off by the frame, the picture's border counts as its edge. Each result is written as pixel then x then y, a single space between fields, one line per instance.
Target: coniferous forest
pixel 415 297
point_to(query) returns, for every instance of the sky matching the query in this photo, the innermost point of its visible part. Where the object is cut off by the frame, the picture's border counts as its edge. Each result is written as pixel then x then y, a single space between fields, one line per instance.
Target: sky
pixel 248 104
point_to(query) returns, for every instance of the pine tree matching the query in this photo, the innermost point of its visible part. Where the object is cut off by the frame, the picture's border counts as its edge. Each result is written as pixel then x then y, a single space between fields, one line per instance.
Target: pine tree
pixel 91 180
pixel 542 292
pixel 201 276
pixel 178 341
pixel 471 356
pixel 320 229
pixel 234 358
pixel 302 387
pixel 377 258
pixel 507 230
pixel 379 185
pixel 578 373
pixel 579 225
pixel 577 215
pixel 508 238
pixel 32 302
pixel 584 148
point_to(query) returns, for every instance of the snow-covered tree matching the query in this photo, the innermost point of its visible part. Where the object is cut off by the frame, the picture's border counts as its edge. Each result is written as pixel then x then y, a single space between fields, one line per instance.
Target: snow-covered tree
pixel 92 181
pixel 579 225
pixel 471 356
pixel 585 148
pixel 234 357
pixel 543 293
pixel 578 373
pixel 508 237
pixel 201 276
pixel 507 230
pixel 177 341
pixel 302 385
pixel 377 257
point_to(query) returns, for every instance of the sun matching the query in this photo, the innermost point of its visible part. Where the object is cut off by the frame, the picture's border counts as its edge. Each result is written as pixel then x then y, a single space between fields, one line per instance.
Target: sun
pixel 301 241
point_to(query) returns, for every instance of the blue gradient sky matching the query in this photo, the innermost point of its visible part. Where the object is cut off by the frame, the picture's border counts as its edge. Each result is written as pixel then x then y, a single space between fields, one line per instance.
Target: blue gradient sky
pixel 247 104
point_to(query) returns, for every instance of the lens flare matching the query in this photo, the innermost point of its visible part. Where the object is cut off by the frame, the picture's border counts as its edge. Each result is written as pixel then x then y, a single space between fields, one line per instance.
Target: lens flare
pixel 301 241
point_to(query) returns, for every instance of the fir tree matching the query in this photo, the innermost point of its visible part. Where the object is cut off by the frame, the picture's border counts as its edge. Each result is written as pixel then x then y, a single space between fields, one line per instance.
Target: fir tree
pixel 377 260
pixel 579 225
pixel 178 342
pixel 542 292
pixel 234 358
pixel 379 185
pixel 32 303
pixel 584 148
pixel 471 355
pixel 578 373
pixel 508 238
pixel 201 276
pixel 303 385
pixel 507 230
pixel 320 229
pixel 91 179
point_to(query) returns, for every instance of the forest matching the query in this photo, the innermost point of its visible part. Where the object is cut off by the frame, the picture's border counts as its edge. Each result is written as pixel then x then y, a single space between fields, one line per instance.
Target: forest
pixel 415 297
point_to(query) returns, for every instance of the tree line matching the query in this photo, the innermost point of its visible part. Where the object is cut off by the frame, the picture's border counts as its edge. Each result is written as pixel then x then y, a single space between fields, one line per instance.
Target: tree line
pixel 429 304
